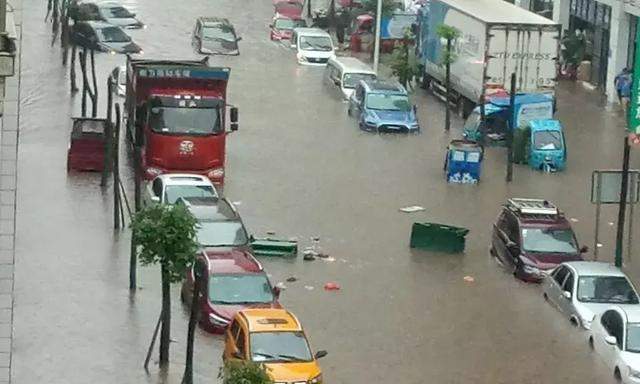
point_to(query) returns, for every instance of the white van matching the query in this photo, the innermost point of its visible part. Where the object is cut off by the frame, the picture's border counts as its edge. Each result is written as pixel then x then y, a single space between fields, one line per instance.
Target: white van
pixel 344 73
pixel 313 46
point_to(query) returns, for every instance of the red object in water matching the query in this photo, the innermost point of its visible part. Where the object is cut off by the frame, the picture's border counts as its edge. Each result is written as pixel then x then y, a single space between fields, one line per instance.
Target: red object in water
pixel 87 146
pixel 331 286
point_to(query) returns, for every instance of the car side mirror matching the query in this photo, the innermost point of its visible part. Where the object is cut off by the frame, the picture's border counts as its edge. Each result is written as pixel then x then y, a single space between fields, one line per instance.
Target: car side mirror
pixel 611 340
pixel 584 249
pixel 566 295
pixel 276 292
pixel 234 118
pixel 336 82
pixel 511 245
pixel 238 39
pixel 155 199
pixel 321 354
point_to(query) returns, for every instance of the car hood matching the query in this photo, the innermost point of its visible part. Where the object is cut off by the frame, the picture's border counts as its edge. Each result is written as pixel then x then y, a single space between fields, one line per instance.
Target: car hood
pixel 632 359
pixel 293 372
pixel 220 47
pixel 126 47
pixel 124 22
pixel 318 54
pixel 551 260
pixel 229 311
pixel 404 117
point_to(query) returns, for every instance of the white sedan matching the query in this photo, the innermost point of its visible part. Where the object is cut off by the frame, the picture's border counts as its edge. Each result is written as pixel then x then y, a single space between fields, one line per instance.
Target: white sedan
pixel 615 336
pixel 168 188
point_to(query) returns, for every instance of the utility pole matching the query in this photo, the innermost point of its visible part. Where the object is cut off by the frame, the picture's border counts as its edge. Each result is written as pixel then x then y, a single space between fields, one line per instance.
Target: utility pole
pixel 511 127
pixel 3 15
pixel 376 44
pixel 622 210
pixel 447 118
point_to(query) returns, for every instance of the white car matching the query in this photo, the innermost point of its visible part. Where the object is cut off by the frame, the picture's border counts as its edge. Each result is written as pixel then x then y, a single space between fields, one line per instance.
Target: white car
pixel 312 46
pixel 615 336
pixel 168 188
pixel 583 289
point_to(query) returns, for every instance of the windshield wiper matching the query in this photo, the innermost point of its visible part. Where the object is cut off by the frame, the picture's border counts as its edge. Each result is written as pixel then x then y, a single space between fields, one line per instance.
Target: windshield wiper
pixel 291 358
pixel 268 356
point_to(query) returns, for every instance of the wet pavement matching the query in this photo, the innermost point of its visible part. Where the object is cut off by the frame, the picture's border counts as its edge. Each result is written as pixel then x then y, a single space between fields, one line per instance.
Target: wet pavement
pixel 299 167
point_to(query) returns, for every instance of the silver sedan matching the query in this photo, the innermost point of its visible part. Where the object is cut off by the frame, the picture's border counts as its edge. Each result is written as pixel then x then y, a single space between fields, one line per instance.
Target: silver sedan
pixel 583 289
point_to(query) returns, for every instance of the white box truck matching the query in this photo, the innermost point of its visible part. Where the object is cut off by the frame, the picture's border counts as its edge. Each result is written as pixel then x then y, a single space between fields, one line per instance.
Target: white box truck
pixel 496 40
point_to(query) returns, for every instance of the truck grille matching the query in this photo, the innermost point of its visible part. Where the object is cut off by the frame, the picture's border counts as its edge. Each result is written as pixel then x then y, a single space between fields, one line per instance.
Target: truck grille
pixel 317 60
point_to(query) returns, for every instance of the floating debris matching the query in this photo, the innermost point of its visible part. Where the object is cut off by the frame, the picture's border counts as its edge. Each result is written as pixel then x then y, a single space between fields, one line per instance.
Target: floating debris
pixel 292 279
pixel 309 287
pixel 469 279
pixel 412 208
pixel 331 286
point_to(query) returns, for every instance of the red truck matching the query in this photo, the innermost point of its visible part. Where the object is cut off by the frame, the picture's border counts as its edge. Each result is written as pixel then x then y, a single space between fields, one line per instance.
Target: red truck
pixel 176 114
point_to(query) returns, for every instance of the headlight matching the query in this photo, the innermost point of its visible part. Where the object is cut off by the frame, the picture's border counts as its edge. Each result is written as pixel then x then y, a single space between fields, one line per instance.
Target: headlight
pixel 370 122
pixel 218 320
pixel 216 173
pixel 316 380
pixel 633 373
pixel 530 269
pixel 586 322
pixel 301 57
pixel 153 172
pixel 112 52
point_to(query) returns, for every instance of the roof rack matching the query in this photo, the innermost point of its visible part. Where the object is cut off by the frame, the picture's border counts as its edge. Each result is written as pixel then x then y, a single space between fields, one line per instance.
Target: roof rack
pixel 532 206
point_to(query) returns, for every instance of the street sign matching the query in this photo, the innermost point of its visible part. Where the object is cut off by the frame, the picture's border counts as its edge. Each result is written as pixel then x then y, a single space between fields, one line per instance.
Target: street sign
pixel 605 186
pixel 633 119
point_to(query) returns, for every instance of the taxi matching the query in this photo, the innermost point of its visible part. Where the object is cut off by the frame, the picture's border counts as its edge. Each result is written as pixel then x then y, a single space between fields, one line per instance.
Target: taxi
pixel 275 338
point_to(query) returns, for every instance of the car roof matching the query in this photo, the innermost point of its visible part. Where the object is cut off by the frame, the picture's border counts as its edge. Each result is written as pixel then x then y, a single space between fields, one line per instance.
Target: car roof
pixel 383 86
pixel 536 212
pixel 594 268
pixel 184 179
pixel 99 24
pixel 210 208
pixel 232 261
pixel 270 319
pixel 212 20
pixel 311 32
pixel 351 65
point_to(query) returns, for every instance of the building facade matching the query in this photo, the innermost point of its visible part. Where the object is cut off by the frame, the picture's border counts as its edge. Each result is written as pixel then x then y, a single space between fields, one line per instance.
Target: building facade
pixel 609 27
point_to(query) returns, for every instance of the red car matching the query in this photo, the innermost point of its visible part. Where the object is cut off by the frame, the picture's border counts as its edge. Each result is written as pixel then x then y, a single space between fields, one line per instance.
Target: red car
pixel 282 27
pixel 235 281
pixel 531 237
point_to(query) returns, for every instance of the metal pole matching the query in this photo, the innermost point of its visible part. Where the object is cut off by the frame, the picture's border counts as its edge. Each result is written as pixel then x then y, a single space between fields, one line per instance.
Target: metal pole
pixel 3 15
pixel 153 342
pixel 597 232
pixel 624 188
pixel 510 128
pixel 630 233
pixel 376 45
pixel 117 203
pixel 447 118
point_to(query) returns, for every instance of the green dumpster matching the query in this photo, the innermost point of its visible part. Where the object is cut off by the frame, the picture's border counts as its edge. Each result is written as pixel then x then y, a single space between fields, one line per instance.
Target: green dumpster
pixel 274 247
pixel 438 237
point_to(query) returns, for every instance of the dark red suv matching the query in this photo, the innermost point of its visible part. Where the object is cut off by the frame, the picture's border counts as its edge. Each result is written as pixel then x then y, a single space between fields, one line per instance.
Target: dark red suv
pixel 531 237
pixel 234 280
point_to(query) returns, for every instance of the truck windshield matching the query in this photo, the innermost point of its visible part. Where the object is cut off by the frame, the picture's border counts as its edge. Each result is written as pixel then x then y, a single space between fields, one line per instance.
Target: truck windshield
pixel 387 102
pixel 547 140
pixel 181 120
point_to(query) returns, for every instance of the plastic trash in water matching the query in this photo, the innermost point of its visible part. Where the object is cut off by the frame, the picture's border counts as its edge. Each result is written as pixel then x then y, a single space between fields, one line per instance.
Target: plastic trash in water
pixel 292 279
pixel 412 208
pixel 469 279
pixel 331 286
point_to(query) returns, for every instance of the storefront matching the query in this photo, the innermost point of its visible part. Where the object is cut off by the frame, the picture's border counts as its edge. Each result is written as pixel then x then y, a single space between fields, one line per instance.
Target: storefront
pixel 593 19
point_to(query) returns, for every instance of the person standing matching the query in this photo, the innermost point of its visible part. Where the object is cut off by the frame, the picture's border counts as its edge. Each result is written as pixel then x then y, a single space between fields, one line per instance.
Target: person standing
pixel 622 83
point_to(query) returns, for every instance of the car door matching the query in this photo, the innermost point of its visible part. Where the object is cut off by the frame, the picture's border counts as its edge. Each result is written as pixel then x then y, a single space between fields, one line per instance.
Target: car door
pixel 553 285
pixel 503 233
pixel 355 102
pixel 566 304
pixel 610 325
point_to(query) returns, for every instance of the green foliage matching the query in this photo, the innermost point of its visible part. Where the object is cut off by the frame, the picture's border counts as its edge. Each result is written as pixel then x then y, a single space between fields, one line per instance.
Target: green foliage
pixel 404 64
pixel 166 235
pixel 388 6
pixel 448 33
pixel 240 372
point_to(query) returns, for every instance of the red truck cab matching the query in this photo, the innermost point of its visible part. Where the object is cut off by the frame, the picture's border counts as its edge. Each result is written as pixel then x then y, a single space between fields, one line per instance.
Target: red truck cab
pixel 177 116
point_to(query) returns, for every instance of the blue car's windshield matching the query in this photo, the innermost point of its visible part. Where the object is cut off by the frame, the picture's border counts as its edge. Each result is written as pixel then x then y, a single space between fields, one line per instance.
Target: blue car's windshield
pixel 387 102
pixel 547 140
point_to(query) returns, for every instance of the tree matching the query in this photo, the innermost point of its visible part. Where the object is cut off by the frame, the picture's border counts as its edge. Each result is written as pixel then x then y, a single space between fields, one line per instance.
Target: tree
pixel 166 235
pixel 403 63
pixel 240 372
pixel 450 34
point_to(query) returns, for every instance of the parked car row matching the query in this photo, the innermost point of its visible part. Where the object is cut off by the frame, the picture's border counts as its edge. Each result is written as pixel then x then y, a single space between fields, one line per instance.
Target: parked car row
pixel 535 241
pixel 237 299
pixel 99 26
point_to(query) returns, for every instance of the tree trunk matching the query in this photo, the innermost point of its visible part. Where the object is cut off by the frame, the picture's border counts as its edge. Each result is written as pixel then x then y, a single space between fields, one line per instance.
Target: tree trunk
pixel 193 320
pixel 447 118
pixel 165 332
pixel 94 94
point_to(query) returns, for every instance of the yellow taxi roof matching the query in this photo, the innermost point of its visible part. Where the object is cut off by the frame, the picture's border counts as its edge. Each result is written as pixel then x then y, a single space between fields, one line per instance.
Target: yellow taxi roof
pixel 270 319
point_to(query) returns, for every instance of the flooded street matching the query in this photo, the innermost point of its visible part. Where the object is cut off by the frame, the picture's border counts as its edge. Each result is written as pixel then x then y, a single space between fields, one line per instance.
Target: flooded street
pixel 298 166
